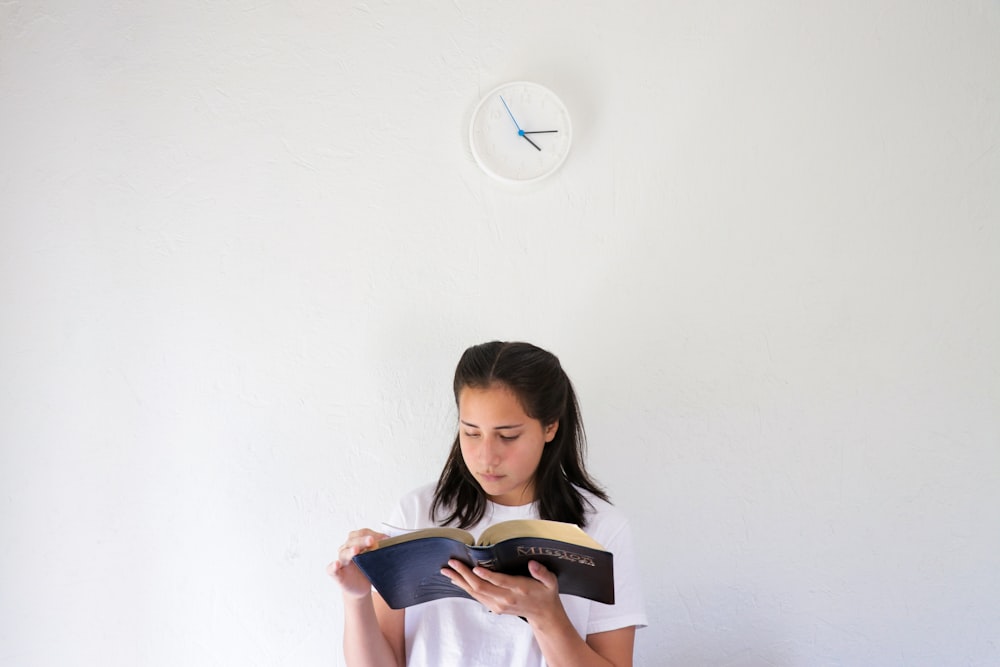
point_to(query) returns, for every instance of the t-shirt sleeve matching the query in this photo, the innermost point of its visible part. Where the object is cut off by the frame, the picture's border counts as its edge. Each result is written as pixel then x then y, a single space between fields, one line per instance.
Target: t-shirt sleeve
pixel 413 510
pixel 629 608
pixel 397 518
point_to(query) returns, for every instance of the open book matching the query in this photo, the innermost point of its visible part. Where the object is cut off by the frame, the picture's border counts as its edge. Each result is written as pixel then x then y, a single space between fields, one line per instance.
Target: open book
pixel 406 570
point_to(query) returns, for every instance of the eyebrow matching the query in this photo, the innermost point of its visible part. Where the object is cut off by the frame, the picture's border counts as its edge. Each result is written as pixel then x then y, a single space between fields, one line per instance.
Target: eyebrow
pixel 495 428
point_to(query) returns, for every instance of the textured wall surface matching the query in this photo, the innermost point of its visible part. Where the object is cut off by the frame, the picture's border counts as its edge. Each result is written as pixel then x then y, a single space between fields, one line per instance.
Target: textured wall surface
pixel 243 244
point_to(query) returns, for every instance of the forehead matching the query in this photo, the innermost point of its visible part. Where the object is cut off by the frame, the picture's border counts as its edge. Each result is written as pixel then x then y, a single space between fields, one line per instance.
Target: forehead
pixel 493 404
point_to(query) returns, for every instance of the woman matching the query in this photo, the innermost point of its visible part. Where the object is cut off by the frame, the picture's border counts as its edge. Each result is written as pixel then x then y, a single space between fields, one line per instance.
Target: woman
pixel 518 454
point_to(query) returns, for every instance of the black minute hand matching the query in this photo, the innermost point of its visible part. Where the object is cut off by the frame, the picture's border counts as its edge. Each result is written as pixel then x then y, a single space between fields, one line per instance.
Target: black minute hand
pixel 540 131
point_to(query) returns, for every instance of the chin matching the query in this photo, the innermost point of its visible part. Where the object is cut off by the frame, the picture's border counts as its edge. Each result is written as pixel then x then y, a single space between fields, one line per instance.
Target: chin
pixel 497 487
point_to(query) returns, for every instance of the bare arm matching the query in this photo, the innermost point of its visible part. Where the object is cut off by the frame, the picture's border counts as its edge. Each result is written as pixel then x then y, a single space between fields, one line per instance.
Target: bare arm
pixel 562 646
pixel 373 633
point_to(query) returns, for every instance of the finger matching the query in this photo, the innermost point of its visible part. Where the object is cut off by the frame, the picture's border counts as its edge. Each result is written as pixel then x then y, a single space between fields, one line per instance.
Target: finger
pixel 495 578
pixel 480 591
pixel 359 541
pixel 345 555
pixel 467 579
pixel 364 536
pixel 454 577
pixel 458 578
pixel 476 577
pixel 336 569
pixel 352 547
pixel 371 538
pixel 543 575
pixel 368 532
pixel 461 568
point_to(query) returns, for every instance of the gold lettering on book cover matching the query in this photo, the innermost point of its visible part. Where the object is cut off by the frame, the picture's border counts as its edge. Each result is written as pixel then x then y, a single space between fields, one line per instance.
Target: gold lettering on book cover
pixel 557 553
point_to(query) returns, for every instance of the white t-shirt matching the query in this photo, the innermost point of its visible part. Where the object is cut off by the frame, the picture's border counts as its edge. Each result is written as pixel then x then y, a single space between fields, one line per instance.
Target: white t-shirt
pixel 461 632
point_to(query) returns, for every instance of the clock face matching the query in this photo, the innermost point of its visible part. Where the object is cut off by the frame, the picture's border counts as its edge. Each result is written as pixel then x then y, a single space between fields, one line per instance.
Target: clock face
pixel 520 132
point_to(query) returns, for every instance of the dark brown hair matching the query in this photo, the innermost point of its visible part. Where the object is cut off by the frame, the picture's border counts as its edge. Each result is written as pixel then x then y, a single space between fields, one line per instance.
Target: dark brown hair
pixel 546 394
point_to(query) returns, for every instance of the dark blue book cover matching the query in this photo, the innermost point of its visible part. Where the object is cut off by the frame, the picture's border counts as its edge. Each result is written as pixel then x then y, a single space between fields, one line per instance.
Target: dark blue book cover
pixel 407 570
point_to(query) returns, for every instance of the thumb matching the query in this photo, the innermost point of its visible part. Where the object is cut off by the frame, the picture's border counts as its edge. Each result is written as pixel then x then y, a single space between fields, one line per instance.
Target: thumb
pixel 543 575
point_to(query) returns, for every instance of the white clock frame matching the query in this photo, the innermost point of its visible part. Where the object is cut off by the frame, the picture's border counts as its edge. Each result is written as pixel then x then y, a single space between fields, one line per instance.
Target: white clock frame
pixel 520 157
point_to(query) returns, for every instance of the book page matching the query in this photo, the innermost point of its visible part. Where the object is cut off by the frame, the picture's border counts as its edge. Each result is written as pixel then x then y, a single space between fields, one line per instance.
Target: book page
pixel 443 531
pixel 552 530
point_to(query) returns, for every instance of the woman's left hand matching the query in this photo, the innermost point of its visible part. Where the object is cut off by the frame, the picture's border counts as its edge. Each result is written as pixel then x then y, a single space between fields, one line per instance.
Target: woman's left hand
pixel 532 598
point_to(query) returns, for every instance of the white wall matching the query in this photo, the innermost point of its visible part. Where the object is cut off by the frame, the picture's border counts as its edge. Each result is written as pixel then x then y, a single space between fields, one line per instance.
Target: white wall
pixel 243 244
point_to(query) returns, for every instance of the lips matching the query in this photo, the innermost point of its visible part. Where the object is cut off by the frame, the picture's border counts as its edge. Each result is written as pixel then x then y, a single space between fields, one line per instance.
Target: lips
pixel 490 478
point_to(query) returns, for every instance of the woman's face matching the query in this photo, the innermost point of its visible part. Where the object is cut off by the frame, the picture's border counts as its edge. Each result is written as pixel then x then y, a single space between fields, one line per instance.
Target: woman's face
pixel 501 444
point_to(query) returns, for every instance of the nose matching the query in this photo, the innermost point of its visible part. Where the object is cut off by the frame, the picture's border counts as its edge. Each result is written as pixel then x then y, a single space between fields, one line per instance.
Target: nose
pixel 490 453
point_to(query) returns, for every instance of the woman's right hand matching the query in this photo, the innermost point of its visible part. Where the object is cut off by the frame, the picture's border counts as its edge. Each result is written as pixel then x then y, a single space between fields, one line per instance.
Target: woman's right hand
pixel 343 570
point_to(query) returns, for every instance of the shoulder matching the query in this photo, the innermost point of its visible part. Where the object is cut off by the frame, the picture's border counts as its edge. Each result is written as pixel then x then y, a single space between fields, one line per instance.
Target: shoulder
pixel 610 526
pixel 413 508
pixel 605 522
pixel 420 494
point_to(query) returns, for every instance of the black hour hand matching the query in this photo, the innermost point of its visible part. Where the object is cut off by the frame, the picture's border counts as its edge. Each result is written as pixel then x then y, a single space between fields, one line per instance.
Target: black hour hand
pixel 525 135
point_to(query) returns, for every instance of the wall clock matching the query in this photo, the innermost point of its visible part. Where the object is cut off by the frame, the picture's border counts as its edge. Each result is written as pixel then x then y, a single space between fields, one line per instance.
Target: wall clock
pixel 520 132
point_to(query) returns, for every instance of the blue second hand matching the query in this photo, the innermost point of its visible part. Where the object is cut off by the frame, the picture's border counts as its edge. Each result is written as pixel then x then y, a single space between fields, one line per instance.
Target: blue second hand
pixel 519 130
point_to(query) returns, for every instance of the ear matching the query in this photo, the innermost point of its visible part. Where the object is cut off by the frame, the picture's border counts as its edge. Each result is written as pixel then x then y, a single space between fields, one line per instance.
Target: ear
pixel 550 430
